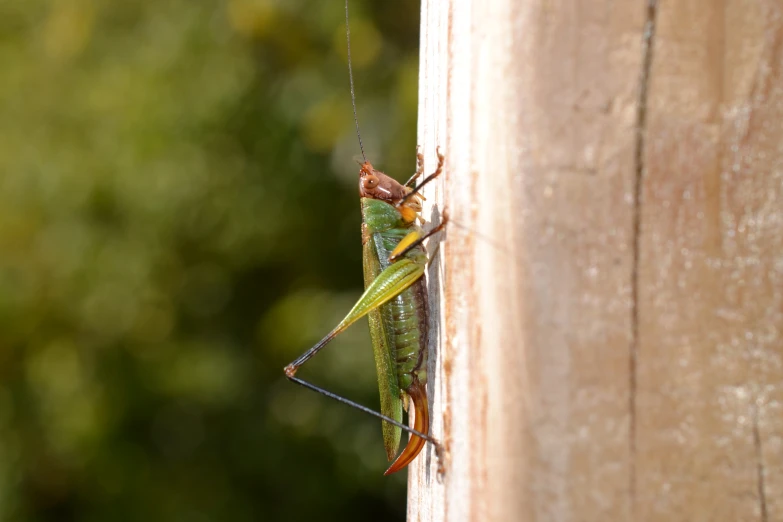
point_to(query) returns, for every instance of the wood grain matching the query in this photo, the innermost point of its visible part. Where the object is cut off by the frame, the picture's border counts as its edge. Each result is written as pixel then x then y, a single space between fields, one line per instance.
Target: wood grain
pixel 608 300
pixel 711 282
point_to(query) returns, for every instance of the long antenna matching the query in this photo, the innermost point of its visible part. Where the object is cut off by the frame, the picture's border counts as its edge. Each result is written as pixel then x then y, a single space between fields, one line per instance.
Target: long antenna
pixel 350 75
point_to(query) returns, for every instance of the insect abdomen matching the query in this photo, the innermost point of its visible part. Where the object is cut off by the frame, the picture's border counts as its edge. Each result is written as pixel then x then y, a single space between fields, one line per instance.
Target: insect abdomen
pixel 408 310
pixel 409 320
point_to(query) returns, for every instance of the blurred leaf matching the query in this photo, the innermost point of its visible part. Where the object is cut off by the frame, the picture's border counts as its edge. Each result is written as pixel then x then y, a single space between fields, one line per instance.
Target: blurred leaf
pixel 178 220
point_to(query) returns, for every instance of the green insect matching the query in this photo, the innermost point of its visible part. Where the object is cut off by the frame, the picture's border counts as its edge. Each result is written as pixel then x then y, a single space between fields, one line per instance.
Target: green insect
pixel 394 299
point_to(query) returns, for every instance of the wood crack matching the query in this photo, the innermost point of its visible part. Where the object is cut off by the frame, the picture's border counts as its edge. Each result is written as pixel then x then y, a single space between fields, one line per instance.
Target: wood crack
pixel 760 466
pixel 648 40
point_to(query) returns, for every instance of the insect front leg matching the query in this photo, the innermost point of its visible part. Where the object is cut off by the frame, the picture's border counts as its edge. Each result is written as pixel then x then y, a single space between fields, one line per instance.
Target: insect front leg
pixel 417 189
pixel 419 166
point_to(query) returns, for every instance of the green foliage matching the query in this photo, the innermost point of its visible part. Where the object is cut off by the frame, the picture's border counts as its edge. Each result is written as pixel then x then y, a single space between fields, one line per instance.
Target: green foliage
pixel 178 220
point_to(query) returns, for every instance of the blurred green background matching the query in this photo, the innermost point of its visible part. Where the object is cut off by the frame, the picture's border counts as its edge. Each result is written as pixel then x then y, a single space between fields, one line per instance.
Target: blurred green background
pixel 179 219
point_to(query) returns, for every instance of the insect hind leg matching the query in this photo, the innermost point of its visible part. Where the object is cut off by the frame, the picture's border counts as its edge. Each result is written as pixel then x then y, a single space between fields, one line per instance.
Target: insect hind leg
pixel 362 408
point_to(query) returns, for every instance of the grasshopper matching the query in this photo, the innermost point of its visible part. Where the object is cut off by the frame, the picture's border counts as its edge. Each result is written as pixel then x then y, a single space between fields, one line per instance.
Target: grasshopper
pixel 394 299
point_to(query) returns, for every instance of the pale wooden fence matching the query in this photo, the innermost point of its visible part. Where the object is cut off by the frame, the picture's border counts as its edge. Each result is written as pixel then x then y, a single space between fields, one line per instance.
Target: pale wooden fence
pixel 610 291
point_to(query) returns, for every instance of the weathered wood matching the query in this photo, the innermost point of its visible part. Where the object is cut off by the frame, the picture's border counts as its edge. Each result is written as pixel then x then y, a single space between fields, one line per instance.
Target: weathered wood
pixel 609 297
pixel 710 355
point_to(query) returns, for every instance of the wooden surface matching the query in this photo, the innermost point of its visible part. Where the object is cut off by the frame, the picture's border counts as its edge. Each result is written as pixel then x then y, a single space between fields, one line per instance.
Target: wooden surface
pixel 609 297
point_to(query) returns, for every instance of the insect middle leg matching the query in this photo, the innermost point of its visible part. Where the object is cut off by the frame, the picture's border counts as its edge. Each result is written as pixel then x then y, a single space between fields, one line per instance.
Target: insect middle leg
pixel 414 239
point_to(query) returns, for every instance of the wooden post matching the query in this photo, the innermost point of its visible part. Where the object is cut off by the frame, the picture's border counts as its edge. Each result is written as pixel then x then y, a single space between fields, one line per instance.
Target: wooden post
pixel 608 331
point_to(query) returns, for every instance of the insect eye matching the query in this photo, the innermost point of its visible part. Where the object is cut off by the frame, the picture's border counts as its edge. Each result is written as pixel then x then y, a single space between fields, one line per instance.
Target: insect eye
pixel 370 181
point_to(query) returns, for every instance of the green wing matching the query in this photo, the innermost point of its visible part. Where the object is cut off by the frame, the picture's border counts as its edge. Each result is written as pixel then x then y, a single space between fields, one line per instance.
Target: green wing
pixel 382 345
